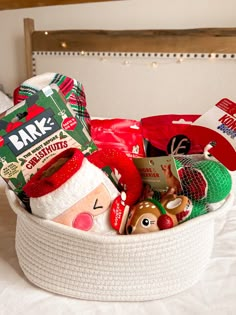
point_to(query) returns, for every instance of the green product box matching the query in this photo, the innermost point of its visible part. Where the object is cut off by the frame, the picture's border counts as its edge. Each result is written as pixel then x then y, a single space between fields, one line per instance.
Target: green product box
pixel 34 131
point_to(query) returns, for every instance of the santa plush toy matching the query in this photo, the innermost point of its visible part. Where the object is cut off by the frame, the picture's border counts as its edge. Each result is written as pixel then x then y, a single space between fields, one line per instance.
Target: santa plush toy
pixel 74 190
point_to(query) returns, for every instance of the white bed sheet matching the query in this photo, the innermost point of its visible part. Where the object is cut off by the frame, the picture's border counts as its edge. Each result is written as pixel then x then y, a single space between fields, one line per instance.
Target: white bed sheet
pixel 214 294
pixel 5 102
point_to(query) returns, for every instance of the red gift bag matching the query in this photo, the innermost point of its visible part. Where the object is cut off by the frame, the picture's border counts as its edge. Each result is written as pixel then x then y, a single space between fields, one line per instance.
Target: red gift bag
pixel 123 134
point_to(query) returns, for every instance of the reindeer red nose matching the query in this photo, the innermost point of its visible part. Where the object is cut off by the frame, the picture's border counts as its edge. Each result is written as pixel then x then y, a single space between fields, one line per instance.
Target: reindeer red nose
pixel 164 222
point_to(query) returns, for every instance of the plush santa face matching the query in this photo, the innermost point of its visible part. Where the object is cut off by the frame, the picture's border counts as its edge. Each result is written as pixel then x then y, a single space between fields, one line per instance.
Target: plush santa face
pixel 72 191
pixel 86 214
pixel 75 190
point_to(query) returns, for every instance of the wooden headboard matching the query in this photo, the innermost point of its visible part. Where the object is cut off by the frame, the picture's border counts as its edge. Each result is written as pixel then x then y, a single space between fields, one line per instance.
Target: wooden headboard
pixel 202 42
pixel 166 71
pixel 19 4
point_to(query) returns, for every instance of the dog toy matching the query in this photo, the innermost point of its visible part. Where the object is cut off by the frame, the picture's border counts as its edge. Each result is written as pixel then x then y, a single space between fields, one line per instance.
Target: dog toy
pixel 73 190
pixel 206 180
pixel 151 215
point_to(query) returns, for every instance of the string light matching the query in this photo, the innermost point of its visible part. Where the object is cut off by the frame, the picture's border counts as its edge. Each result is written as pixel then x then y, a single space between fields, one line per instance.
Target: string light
pixel 154 64
pixel 63 44
pixel 212 56
pixel 180 60
pixel 103 59
pixel 151 60
pixel 126 62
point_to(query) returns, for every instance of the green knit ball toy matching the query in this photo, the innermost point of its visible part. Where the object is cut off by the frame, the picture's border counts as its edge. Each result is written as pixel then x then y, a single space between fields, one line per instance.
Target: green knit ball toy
pixel 199 208
pixel 178 164
pixel 192 180
pixel 219 181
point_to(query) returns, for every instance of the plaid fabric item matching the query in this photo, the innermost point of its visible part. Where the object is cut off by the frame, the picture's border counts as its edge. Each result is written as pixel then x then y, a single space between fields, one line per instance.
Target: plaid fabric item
pixel 70 88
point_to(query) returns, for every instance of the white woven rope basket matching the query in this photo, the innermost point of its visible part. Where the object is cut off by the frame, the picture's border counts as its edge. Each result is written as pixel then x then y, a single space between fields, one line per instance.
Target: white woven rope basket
pixel 140 267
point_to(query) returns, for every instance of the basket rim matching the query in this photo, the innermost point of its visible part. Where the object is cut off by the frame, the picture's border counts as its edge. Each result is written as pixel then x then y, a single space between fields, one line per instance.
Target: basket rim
pixel 54 227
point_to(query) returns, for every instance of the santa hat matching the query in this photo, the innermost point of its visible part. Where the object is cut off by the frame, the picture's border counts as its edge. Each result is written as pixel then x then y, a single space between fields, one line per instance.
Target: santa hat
pixel 72 90
pixel 77 176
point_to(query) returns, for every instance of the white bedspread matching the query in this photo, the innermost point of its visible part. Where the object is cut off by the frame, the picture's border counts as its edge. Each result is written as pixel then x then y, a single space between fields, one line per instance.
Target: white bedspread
pixel 214 294
pixel 5 102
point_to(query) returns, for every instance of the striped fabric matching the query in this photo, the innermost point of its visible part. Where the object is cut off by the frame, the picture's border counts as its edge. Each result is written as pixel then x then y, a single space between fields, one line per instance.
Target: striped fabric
pixel 72 90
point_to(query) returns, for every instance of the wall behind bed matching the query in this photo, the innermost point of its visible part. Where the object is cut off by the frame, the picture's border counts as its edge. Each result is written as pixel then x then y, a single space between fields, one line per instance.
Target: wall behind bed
pixel 172 86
